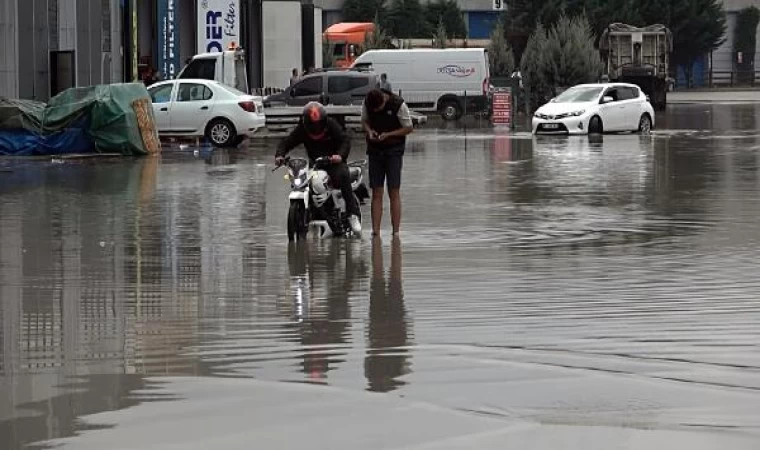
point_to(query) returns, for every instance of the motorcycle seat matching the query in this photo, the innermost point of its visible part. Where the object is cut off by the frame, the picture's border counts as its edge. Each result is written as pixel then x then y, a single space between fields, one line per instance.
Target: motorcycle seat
pixel 355 173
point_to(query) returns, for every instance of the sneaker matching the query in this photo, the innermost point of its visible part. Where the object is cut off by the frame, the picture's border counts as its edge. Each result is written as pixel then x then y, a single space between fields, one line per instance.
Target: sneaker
pixel 356 225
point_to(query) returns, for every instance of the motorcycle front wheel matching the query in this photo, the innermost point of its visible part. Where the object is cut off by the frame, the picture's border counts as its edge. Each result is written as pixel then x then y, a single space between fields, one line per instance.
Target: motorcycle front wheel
pixel 297 226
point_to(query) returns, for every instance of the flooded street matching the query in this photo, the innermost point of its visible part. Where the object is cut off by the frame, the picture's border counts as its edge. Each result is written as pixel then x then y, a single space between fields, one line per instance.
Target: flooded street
pixel 545 293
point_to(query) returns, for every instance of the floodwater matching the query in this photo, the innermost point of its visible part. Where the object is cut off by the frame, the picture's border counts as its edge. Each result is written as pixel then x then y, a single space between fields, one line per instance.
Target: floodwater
pixel 574 293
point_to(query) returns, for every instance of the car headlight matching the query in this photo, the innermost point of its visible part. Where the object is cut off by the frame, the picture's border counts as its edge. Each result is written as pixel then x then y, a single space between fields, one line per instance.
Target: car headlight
pixel 576 113
pixel 539 115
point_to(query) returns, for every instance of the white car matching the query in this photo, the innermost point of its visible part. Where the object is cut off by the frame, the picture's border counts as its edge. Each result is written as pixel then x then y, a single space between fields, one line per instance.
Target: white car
pixel 196 108
pixel 596 108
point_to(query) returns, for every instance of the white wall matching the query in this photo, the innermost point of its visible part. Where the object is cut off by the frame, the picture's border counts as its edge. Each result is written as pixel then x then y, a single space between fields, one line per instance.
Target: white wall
pixel 9 51
pixel 318 37
pixel 282 41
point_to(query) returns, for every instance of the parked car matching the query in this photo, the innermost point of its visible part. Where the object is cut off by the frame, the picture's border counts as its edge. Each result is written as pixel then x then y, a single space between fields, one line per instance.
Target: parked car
pixel 342 87
pixel 196 107
pixel 449 81
pixel 596 108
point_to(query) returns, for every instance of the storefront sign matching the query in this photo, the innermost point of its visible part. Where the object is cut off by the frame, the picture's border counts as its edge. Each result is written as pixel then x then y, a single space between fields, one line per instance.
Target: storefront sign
pixel 501 114
pixel 168 39
pixel 218 25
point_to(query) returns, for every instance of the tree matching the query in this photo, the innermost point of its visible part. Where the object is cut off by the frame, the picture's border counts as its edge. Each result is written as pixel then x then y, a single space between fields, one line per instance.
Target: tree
pixel 363 10
pixel 521 18
pixel 440 39
pixel 378 39
pixel 501 59
pixel 745 42
pixel 532 67
pixel 450 14
pixel 570 56
pixel 405 20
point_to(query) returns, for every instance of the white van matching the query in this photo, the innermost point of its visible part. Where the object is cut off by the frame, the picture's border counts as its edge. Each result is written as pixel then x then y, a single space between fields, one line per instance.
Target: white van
pixel 450 81
pixel 227 67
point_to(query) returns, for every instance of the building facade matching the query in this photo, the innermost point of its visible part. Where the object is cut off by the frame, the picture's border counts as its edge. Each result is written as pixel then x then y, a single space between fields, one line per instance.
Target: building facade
pixel 50 45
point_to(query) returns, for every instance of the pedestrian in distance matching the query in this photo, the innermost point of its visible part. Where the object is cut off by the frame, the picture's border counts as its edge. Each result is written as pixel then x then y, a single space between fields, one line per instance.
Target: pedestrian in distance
pixel 294 77
pixel 386 122
pixel 385 84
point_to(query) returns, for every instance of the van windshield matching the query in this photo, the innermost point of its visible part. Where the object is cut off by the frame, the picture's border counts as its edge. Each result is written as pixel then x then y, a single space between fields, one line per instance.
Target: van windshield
pixel 579 95
pixel 203 68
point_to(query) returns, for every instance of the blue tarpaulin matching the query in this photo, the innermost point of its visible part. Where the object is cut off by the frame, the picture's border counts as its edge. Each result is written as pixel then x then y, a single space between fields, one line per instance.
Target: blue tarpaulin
pixel 70 141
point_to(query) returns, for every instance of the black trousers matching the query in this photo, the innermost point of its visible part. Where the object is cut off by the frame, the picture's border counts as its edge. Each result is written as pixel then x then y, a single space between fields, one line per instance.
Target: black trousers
pixel 341 178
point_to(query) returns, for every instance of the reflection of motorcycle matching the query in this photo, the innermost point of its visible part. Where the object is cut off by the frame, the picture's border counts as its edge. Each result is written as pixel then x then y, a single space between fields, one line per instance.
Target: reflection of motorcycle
pixel 315 203
pixel 322 277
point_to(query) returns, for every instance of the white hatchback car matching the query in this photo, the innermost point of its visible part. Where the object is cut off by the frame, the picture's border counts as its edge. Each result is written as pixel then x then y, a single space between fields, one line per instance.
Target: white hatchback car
pixel 196 108
pixel 596 108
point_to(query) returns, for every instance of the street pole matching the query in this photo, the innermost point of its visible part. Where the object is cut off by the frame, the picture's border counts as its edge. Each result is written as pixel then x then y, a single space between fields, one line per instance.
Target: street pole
pixel 133 11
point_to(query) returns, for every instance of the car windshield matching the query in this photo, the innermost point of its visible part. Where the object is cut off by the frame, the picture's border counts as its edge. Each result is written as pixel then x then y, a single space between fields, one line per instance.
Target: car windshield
pixel 578 95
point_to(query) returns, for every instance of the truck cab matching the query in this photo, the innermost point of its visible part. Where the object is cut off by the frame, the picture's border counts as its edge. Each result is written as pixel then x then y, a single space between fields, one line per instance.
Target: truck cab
pixel 227 67
pixel 346 41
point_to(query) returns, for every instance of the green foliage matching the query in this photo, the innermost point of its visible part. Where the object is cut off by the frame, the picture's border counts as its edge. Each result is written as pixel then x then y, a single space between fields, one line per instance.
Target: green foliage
pixel 561 56
pixel 698 26
pixel 532 67
pixel 406 20
pixel 570 57
pixel 363 10
pixel 501 58
pixel 440 39
pixel 378 39
pixel 448 12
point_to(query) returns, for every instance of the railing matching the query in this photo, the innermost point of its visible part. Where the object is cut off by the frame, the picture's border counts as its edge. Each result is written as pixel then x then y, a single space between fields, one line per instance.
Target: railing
pixel 731 79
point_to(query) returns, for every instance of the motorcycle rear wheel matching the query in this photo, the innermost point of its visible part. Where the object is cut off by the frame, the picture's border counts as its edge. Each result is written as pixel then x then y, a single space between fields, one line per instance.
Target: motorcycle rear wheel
pixel 297 227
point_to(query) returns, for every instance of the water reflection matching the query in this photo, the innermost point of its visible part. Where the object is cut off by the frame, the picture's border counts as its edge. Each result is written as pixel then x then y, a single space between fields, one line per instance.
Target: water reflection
pixel 323 275
pixel 388 335
pixel 618 248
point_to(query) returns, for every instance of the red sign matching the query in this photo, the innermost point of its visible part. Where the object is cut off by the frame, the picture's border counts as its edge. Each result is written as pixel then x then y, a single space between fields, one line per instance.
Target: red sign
pixel 501 107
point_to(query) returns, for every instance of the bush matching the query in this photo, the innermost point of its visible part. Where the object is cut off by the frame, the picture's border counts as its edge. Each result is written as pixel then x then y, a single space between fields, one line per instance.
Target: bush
pixel 500 57
pixel 532 67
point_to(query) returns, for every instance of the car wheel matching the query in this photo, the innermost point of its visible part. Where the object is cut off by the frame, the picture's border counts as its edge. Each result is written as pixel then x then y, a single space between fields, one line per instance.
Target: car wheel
pixel 595 125
pixel 221 133
pixel 450 110
pixel 645 124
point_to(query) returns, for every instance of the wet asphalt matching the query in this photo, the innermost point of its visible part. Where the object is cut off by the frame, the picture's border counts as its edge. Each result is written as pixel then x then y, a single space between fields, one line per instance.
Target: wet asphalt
pixel 545 292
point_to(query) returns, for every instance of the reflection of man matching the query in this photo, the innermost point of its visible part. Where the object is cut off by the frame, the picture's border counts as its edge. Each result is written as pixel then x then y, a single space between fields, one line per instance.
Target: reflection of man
pixel 388 334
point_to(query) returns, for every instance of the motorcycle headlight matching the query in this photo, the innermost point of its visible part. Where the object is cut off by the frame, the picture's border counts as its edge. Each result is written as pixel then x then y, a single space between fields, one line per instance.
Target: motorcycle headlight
pixel 299 180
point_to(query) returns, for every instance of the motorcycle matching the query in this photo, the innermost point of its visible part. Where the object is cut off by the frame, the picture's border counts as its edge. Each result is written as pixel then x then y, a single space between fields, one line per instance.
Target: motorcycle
pixel 317 205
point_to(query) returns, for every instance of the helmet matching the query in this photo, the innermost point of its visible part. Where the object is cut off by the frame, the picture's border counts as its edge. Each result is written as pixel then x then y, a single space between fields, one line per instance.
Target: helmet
pixel 315 120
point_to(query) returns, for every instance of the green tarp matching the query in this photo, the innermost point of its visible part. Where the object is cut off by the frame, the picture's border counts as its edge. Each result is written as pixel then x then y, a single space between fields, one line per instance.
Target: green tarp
pixel 104 112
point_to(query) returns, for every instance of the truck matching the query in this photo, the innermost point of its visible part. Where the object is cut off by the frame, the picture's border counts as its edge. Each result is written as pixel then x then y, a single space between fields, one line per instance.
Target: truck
pixel 639 56
pixel 346 41
pixel 226 67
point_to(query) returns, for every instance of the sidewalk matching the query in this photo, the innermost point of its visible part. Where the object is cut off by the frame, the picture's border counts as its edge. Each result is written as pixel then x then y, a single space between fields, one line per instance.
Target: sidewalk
pixel 746 95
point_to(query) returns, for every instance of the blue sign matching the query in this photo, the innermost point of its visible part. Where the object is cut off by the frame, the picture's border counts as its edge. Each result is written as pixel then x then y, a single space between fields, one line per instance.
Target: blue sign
pixel 168 39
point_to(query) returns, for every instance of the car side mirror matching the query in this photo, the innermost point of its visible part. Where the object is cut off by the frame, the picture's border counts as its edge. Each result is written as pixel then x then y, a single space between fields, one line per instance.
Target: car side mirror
pixel 607 99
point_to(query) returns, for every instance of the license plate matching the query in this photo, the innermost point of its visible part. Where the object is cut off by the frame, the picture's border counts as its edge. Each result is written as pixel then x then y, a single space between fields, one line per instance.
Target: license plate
pixel 551 126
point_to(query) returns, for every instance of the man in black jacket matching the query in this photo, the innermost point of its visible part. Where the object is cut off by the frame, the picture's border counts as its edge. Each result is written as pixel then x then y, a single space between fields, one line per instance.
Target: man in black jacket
pixel 323 136
pixel 386 121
